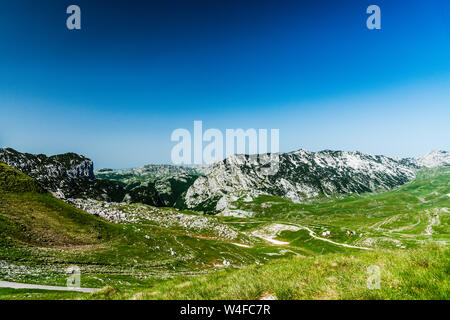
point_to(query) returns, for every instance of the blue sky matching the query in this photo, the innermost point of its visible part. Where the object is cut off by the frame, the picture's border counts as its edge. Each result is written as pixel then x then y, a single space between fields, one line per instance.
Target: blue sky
pixel 115 90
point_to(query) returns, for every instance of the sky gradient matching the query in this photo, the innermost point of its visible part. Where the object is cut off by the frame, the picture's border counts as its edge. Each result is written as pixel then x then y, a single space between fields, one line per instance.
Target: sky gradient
pixel 115 90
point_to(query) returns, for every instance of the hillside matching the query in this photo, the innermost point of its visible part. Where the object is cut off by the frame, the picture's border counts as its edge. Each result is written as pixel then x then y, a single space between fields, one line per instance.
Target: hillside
pixel 12 180
pixel 41 236
pixel 31 216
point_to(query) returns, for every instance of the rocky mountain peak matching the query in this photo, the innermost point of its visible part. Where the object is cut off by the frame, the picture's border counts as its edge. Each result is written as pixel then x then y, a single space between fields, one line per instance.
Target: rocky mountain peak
pixel 68 165
pixel 435 158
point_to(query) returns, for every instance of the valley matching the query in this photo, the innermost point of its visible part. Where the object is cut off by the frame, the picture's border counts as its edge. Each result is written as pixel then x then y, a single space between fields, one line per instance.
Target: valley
pixel 259 244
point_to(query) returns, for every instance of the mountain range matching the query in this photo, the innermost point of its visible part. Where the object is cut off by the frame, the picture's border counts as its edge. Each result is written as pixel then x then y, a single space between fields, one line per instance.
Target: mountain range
pixel 301 176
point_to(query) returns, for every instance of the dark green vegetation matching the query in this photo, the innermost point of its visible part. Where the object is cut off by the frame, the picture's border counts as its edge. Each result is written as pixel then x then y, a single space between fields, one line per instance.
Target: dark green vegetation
pixel 170 182
pixel 280 251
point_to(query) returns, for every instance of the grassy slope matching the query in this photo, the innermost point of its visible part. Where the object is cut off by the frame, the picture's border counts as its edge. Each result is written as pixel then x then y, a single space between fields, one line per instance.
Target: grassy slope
pixel 12 180
pixel 421 273
pixel 412 248
pixel 40 236
pixel 31 216
pixel 405 274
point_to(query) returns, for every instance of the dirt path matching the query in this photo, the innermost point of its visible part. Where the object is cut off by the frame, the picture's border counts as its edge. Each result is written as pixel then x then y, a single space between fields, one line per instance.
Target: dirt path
pixel 274 241
pixel 16 285
pixel 312 234
pixel 242 245
pixel 268 233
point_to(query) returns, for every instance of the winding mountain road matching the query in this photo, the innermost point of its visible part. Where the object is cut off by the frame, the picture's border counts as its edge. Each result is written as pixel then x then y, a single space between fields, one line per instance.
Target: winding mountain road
pixel 270 236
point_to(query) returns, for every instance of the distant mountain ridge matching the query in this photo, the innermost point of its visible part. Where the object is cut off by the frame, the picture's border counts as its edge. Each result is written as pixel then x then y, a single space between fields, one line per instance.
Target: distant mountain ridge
pixel 303 175
pixel 436 158
pixel 146 172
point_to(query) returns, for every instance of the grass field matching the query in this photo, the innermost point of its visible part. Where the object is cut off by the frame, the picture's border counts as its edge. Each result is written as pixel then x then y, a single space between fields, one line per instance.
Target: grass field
pixel 280 251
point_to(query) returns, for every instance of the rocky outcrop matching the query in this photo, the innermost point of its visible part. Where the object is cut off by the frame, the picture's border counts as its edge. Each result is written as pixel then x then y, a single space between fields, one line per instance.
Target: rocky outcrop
pixel 163 217
pixel 49 169
pixel 62 174
pixel 72 176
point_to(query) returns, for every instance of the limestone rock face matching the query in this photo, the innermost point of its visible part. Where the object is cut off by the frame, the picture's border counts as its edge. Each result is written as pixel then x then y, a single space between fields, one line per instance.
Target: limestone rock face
pixel 301 175
pixel 434 159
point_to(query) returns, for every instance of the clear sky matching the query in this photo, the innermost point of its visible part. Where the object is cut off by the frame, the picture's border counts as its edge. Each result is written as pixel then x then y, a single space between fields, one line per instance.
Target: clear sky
pixel 115 90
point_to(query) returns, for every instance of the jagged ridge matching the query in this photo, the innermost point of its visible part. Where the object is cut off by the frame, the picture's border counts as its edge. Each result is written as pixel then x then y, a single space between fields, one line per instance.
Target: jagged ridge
pixel 72 176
